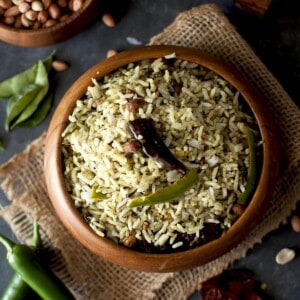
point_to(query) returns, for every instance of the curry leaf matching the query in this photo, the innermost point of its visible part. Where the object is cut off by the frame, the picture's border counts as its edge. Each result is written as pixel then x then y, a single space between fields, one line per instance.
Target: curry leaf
pixel 21 108
pixel 40 114
pixel 41 80
pixel 15 84
pixel 18 102
pixel 1 145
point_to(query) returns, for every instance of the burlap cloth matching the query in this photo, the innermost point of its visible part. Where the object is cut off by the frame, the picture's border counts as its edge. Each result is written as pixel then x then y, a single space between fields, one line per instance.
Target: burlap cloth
pixel 89 277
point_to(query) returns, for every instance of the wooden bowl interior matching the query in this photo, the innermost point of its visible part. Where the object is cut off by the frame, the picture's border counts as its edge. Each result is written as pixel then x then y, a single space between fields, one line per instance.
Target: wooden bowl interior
pixel 103 247
pixel 54 34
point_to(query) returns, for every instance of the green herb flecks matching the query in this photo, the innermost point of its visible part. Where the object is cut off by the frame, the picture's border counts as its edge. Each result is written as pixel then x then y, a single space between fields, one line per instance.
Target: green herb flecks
pixel 168 193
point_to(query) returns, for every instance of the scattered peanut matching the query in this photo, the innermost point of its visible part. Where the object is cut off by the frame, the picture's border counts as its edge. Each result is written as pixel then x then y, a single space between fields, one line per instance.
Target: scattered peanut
pixel 295 223
pixel 59 65
pixel 108 20
pixel 33 14
pixel 111 52
pixel 284 256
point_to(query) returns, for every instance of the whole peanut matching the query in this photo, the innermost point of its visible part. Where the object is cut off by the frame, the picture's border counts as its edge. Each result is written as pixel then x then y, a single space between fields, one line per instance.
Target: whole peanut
pixel 295 222
pixel 108 20
pixel 5 4
pixel 12 11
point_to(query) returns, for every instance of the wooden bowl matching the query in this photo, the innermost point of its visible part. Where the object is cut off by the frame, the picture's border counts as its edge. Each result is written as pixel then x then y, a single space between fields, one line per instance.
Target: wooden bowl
pixel 51 35
pixel 125 257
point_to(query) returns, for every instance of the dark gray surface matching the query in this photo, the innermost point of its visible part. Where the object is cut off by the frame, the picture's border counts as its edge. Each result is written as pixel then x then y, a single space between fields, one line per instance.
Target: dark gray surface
pixel 275 38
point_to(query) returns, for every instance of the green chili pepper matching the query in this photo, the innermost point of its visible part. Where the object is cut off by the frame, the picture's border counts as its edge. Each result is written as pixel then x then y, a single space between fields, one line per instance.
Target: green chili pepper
pixel 97 195
pixel 23 260
pixel 18 289
pixel 252 170
pixel 168 193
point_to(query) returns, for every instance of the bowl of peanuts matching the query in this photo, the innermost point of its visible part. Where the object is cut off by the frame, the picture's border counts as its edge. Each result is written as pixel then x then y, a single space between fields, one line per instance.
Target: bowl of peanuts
pixel 35 23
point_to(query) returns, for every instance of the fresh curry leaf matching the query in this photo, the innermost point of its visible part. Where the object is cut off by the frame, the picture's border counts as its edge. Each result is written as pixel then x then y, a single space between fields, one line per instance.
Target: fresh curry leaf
pixel 1 145
pixel 17 103
pixel 21 108
pixel 31 108
pixel 40 114
pixel 15 84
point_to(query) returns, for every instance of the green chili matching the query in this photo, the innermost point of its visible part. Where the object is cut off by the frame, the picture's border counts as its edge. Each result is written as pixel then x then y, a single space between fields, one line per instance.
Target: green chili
pixel 18 289
pixel 95 195
pixel 252 169
pixel 168 193
pixel 24 261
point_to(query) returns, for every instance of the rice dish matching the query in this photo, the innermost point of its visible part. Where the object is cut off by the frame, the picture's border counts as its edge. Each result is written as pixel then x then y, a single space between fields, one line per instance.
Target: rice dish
pixel 198 116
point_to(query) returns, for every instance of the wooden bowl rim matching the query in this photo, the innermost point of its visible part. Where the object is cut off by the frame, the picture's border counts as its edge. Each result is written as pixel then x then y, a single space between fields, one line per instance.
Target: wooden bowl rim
pixel 179 261
pixel 49 35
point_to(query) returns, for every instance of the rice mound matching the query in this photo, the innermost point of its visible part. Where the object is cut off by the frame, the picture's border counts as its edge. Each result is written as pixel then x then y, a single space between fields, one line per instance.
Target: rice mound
pixel 200 124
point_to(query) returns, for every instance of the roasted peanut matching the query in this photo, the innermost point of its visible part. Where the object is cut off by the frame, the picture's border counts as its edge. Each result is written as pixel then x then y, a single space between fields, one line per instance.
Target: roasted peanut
pixel 42 16
pixel 37 13
pixel 25 22
pixel 77 4
pixel 108 20
pixel 59 65
pixel 54 11
pixel 6 4
pixel 12 11
pixel 37 6
pixel 62 3
pixel 31 15
pixel 111 53
pixel 295 222
pixel 23 7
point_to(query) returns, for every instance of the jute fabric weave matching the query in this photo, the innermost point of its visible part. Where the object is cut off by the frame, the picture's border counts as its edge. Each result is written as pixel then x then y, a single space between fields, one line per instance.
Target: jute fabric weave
pixel 88 276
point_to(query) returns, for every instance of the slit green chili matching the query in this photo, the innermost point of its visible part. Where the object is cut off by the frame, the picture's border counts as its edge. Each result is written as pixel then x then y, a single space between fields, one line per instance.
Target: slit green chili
pixel 252 169
pixel 24 261
pixel 95 195
pixel 168 193
pixel 17 288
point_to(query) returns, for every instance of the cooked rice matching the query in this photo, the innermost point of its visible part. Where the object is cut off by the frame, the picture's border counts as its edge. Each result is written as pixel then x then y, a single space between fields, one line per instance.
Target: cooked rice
pixel 200 126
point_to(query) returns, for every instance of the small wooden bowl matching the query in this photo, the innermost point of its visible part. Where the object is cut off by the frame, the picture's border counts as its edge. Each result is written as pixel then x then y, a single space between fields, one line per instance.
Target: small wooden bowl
pixel 51 35
pixel 108 250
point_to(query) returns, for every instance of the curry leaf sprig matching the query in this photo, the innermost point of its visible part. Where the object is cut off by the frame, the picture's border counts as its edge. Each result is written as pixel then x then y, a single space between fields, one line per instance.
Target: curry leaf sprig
pixel 27 95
